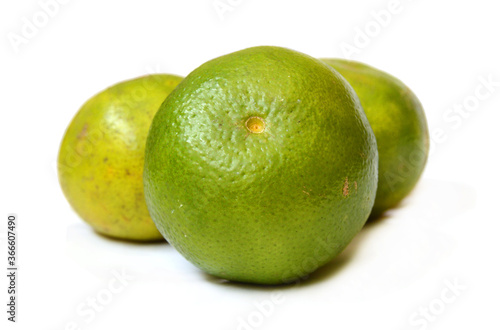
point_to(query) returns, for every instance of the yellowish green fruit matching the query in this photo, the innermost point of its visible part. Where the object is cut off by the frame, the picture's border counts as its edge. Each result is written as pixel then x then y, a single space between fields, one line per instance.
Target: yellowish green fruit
pixel 101 157
pixel 261 166
pixel 398 121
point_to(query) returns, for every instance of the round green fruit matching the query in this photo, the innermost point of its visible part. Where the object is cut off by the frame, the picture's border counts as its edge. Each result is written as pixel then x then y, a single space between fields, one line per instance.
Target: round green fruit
pixel 398 121
pixel 261 166
pixel 101 157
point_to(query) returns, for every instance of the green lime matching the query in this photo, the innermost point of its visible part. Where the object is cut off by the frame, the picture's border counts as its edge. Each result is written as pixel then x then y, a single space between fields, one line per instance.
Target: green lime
pixel 398 121
pixel 261 166
pixel 101 157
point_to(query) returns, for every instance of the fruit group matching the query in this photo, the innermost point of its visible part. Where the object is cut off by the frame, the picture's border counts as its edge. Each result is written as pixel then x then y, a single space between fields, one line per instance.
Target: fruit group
pixel 261 166
pixel 101 157
pixel 398 121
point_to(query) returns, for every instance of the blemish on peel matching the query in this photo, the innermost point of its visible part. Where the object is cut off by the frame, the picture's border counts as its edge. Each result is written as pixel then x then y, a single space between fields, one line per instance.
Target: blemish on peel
pixel 83 132
pixel 345 189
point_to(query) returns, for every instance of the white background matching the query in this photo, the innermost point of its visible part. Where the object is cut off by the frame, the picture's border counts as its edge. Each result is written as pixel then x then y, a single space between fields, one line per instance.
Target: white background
pixel 396 274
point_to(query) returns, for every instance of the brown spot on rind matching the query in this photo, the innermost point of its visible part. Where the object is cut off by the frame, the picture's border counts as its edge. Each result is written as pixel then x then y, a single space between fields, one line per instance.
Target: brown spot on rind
pixel 345 190
pixel 356 186
pixel 83 132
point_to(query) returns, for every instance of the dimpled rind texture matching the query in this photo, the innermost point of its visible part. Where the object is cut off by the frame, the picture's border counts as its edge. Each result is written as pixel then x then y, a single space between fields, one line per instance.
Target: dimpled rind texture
pixel 101 157
pixel 398 121
pixel 265 208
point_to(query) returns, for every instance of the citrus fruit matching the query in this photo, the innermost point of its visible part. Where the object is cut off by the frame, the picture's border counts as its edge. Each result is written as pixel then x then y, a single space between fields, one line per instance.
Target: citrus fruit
pixel 398 121
pixel 260 166
pixel 101 157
